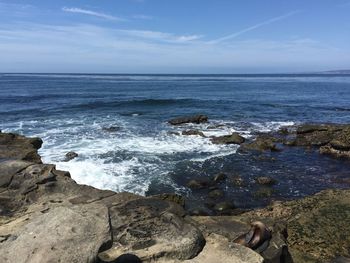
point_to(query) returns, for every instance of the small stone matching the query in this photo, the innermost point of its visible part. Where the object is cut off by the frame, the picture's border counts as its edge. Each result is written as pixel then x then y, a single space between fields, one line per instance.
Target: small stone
pixel 111 129
pixel 70 156
pixel 234 138
pixel 265 180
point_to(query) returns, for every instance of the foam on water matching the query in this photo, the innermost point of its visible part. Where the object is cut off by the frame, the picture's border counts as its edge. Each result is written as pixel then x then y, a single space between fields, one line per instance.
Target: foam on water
pixel 129 161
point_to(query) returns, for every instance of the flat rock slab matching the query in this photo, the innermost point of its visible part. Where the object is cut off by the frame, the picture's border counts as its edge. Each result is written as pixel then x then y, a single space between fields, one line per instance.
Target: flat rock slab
pixel 63 234
pixel 151 229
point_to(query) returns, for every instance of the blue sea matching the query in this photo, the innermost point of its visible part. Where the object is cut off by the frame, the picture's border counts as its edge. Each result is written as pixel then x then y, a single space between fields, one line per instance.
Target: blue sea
pixel 69 112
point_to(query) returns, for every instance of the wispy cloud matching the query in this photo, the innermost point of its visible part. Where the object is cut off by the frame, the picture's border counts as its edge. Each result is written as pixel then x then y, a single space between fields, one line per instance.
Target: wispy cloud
pixel 91 13
pixel 161 36
pixel 265 23
pixel 91 48
pixel 144 17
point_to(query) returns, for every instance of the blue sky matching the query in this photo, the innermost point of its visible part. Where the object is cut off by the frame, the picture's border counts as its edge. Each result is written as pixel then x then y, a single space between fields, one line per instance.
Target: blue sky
pixel 178 36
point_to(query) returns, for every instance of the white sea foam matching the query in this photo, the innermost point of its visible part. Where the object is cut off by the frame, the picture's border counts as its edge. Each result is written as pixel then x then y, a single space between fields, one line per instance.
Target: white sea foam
pixel 129 161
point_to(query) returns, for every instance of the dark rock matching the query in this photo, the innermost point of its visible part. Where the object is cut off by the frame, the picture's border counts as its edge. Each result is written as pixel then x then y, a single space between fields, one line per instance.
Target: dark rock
pixel 111 129
pixel 265 180
pixel 193 132
pixel 224 208
pixel 197 119
pixel 237 180
pixel 309 128
pixel 216 194
pixel 178 199
pixel 262 143
pixel 173 133
pixel 264 192
pixel 70 156
pixel 234 138
pixel 200 183
pixel 219 177
pixel 283 131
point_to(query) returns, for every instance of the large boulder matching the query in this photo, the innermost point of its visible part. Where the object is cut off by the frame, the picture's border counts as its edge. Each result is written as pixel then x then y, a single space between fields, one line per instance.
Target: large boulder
pixel 14 146
pixel 197 119
pixel 62 234
pixel 151 229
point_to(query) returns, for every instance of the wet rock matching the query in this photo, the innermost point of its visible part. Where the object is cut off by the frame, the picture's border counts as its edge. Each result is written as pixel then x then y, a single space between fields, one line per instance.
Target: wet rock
pixel 265 180
pixel 283 131
pixel 173 133
pixel 234 138
pixel 264 192
pixel 224 208
pixel 309 128
pixel 216 194
pixel 111 129
pixel 200 183
pixel 220 177
pixel 70 156
pixel 197 119
pixel 262 143
pixel 193 132
pixel 177 199
pixel 237 180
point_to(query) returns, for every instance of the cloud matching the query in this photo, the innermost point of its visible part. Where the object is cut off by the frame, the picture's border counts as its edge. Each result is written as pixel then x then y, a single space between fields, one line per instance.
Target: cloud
pixel 91 13
pixel 265 23
pixel 97 49
pixel 161 36
pixel 143 17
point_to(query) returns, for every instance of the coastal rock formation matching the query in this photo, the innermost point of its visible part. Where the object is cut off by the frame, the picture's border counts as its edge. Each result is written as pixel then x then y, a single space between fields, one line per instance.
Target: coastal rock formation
pixel 45 216
pixel 197 119
pixel 193 132
pixel 234 138
pixel 315 225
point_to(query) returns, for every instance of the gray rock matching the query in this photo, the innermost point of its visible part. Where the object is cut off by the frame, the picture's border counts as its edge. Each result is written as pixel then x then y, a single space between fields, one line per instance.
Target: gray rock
pixel 70 156
pixel 197 119
pixel 234 138
pixel 63 234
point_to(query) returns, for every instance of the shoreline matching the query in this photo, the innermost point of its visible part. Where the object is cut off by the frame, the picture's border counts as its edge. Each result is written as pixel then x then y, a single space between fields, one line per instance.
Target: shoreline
pixel 37 198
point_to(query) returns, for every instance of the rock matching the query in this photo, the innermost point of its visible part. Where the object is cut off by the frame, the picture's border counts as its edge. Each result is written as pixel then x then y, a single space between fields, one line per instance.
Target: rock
pixel 111 129
pixel 313 225
pixel 197 119
pixel 234 138
pixel 151 229
pixel 224 208
pixel 193 132
pixel 220 249
pixel 309 128
pixel 262 143
pixel 70 156
pixel 264 192
pixel 216 194
pixel 200 183
pixel 177 199
pixel 220 177
pixel 265 180
pixel 237 180
pixel 13 146
pixel 70 234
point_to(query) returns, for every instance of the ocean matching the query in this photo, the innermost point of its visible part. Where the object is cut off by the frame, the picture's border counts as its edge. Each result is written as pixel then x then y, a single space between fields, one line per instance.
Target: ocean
pixel 145 156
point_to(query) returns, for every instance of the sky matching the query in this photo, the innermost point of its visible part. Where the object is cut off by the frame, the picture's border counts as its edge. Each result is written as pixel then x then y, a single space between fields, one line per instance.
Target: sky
pixel 178 36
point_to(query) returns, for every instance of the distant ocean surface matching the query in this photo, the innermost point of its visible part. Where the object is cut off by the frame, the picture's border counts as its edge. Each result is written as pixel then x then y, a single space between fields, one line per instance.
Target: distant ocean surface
pixel 69 113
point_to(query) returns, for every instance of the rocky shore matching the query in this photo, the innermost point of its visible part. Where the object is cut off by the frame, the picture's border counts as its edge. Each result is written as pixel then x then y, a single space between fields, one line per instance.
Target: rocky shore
pixel 45 216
